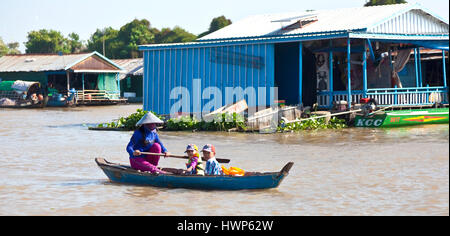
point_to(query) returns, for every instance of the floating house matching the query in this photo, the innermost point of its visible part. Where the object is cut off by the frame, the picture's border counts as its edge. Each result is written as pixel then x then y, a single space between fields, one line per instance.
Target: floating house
pixel 90 78
pixel 324 57
pixel 131 79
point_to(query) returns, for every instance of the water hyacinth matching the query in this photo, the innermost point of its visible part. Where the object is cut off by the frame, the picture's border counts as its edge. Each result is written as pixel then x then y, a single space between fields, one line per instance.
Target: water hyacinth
pixel 221 122
pixel 126 123
pixel 312 124
pixel 181 123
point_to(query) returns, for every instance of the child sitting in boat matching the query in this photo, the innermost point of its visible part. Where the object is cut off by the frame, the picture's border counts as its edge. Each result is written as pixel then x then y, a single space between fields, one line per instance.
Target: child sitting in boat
pixel 195 164
pixel 212 165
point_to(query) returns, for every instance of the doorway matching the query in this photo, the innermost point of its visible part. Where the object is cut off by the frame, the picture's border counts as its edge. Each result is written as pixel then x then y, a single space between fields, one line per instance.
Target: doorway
pixel 287 74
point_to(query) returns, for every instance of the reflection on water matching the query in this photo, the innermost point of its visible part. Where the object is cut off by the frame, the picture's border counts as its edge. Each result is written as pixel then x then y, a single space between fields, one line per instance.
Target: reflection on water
pixel 83 182
pixel 84 125
pixel 48 168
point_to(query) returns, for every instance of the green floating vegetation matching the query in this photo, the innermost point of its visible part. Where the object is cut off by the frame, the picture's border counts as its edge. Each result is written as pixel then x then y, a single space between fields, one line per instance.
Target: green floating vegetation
pixel 126 123
pixel 220 122
pixel 313 124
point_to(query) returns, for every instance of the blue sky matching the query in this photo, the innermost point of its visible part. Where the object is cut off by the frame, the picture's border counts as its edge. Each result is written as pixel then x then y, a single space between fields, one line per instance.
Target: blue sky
pixel 18 17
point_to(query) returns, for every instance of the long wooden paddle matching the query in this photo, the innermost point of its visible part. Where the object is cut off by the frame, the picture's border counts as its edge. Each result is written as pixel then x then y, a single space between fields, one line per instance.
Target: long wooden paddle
pixel 220 160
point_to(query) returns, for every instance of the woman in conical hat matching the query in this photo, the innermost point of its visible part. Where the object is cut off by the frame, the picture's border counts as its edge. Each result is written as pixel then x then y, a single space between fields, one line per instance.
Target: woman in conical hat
pixel 146 139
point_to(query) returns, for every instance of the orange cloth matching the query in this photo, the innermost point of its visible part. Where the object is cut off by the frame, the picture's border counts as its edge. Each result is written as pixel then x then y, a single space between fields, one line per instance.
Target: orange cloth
pixel 233 171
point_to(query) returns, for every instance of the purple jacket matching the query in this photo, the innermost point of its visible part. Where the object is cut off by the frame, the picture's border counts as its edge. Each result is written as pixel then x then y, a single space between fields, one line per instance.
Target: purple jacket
pixel 136 143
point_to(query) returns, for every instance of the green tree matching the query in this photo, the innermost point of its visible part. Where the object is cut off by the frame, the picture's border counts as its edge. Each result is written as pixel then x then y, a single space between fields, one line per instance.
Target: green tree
pixel 46 41
pixel 383 2
pixel 10 48
pixel 124 43
pixel 108 38
pixel 133 34
pixel 74 43
pixel 175 35
pixel 216 24
pixel 13 48
pixel 3 48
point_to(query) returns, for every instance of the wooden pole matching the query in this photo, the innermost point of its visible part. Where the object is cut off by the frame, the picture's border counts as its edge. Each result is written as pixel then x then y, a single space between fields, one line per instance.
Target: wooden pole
pixel 420 67
pixel 444 68
pixel 82 80
pixel 118 84
pixel 331 74
pixel 68 83
pixel 318 117
pixel 416 67
pixel 365 71
pixel 300 73
pixel 349 78
pixel 220 160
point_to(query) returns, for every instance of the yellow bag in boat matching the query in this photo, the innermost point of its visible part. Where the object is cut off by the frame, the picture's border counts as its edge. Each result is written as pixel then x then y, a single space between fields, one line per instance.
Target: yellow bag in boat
pixel 233 171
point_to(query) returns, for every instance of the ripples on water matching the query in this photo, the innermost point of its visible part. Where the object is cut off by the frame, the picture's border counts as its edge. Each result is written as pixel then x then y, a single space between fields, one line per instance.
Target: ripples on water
pixel 48 168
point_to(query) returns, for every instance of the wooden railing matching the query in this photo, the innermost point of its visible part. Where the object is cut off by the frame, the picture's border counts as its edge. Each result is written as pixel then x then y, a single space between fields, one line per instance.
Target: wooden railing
pixel 389 96
pixel 326 99
pixel 409 96
pixel 96 95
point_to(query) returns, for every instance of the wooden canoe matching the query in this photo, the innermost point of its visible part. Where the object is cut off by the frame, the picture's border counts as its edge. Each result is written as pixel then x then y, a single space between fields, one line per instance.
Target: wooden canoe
pixel 404 118
pixel 251 180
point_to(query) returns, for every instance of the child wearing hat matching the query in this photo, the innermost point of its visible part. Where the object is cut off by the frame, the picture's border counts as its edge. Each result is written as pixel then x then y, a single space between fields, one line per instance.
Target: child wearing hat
pixel 212 165
pixel 195 164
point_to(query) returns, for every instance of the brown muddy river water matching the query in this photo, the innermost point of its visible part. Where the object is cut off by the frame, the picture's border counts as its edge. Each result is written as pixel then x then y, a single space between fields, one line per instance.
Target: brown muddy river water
pixel 48 168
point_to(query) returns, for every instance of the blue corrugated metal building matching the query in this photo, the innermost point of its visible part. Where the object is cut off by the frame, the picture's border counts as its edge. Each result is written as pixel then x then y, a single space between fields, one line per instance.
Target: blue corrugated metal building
pixel 289 50
pixel 215 66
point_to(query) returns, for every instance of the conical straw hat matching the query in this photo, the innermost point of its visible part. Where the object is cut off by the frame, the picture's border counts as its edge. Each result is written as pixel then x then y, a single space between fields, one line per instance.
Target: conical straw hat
pixel 149 118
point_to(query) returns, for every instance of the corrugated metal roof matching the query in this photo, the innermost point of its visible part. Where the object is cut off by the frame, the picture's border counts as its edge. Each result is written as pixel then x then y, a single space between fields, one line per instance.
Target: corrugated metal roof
pixel 45 62
pixel 248 40
pixel 415 21
pixel 38 62
pixel 134 67
pixel 399 18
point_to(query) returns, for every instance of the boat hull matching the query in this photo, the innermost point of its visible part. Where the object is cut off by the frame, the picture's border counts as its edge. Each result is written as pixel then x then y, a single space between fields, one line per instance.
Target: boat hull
pixel 404 118
pixel 125 174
